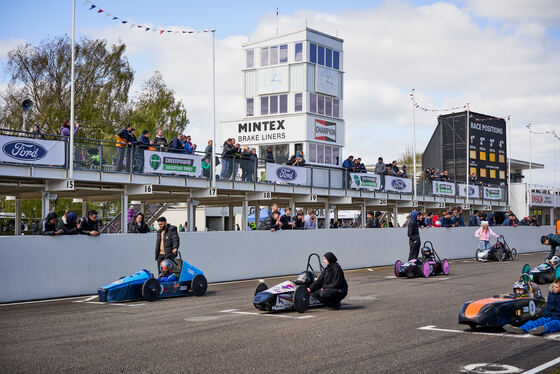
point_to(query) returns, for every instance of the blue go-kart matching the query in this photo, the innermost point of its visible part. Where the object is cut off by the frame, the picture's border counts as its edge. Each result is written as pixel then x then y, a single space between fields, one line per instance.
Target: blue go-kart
pixel 144 285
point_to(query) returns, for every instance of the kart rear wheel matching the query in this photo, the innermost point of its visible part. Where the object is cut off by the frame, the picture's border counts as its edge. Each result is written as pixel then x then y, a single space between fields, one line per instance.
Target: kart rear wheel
pixel 477 255
pixel 426 269
pixel 261 287
pixel 445 267
pixel 199 284
pixel 513 254
pixel 500 255
pixel 151 289
pixel 473 325
pixel 301 299
pixel 397 269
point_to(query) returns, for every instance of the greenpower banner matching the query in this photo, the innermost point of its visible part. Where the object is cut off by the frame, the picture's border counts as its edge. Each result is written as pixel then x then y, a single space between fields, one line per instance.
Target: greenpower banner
pixel 492 193
pixel 444 188
pixel 367 181
pixel 172 163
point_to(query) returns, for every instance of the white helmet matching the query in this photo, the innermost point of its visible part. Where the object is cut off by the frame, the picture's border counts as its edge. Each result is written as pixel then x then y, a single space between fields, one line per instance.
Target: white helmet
pixel 554 260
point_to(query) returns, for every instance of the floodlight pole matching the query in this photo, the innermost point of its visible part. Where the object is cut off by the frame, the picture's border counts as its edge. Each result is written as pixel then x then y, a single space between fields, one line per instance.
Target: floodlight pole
pixel 529 192
pixel 508 139
pixel 72 124
pixel 413 147
pixel 213 161
pixel 468 151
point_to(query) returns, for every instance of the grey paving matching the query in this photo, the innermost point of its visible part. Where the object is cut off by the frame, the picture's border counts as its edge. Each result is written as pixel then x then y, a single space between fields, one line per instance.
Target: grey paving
pixel 376 330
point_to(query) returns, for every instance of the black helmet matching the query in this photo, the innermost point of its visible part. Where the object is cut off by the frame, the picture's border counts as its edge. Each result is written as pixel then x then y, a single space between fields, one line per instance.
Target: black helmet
pixel 427 251
pixel 306 278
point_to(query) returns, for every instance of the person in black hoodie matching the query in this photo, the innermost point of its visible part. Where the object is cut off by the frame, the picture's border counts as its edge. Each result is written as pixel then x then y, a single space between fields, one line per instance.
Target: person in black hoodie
pixel 331 287
pixel 89 225
pixel 50 225
pixel 413 236
pixel 71 227
pixel 138 225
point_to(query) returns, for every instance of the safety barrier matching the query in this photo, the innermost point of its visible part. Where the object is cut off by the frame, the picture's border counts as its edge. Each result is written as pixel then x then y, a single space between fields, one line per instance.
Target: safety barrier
pixel 35 267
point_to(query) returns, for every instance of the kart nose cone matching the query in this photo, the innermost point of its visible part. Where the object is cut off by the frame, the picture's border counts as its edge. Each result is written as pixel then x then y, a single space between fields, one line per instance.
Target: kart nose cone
pixel 264 301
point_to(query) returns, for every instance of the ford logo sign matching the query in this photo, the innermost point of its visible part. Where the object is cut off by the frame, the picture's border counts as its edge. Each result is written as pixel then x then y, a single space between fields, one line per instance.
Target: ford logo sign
pixel 471 191
pixel 24 150
pixel 398 184
pixel 286 174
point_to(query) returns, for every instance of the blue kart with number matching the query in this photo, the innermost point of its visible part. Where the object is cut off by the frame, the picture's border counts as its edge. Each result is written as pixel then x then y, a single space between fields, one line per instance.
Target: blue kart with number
pixel 144 285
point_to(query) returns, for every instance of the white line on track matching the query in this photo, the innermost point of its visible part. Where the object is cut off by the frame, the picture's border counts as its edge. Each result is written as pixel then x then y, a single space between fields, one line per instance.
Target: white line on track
pixel 546 365
pixel 235 311
pixel 85 300
pixel 102 303
pixel 525 336
pixel 43 301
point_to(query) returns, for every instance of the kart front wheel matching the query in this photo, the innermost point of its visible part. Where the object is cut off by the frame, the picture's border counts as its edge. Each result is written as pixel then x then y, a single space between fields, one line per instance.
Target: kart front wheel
pixel 477 255
pixel 151 289
pixel 445 267
pixel 513 254
pixel 500 255
pixel 199 284
pixel 301 299
pixel 398 265
pixel 426 269
pixel 261 287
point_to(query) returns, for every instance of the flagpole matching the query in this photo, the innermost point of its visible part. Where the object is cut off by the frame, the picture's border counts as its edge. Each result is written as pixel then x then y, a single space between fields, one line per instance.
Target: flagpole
pixel 509 158
pixel 72 124
pixel 468 151
pixel 529 192
pixel 213 161
pixel 413 147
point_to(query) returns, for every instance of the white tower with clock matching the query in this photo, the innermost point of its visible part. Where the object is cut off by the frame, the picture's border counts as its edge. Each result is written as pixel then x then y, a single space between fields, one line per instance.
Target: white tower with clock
pixel 292 98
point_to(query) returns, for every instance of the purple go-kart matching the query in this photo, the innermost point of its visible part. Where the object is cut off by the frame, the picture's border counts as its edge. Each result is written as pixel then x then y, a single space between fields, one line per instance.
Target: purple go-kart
pixel 428 264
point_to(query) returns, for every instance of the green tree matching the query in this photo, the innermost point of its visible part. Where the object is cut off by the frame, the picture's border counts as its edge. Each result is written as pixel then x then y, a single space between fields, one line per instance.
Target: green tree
pixel 42 73
pixel 155 107
pixel 406 159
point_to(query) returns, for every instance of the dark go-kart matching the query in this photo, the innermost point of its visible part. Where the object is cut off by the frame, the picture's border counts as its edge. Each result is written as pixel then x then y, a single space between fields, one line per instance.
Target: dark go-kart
pixel 545 272
pixel 143 284
pixel 500 251
pixel 504 308
pixel 289 294
pixel 428 264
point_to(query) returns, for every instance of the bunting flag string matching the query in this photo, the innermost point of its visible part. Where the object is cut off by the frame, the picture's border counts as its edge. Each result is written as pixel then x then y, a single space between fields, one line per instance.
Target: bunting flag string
pixel 476 119
pixel 418 106
pixel 140 27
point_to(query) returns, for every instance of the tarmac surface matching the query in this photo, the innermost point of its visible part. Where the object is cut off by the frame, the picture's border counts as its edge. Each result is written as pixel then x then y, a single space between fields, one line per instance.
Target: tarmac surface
pixel 385 325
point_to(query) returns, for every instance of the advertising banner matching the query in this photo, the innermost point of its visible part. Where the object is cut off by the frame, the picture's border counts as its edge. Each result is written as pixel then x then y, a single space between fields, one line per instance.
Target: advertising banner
pixel 474 191
pixel 396 184
pixel 172 163
pixel 542 199
pixel 286 174
pixel 367 181
pixel 443 188
pixel 32 151
pixel 492 193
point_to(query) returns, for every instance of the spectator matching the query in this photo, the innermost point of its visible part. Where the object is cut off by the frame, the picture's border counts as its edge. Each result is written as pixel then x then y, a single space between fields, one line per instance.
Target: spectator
pixel 123 141
pixel 286 219
pixel 456 219
pixel 272 222
pixel 50 225
pixel 427 174
pixel 422 220
pixel 510 221
pixel 269 156
pixel 553 240
pixel 309 220
pixel 246 164
pixel 446 220
pixel 227 162
pixel 160 140
pixel 525 221
pixel 473 179
pixel 428 221
pixel 65 129
pixel 348 164
pixel 72 226
pixel 176 144
pixel 404 174
pixel 89 225
pixel 292 161
pixel 236 158
pixel 37 134
pixel 299 155
pixel 389 169
pixel 473 219
pixel 208 149
pixel 254 164
pixel 130 213
pixel 360 168
pixel 167 241
pixel 143 143
pixel 189 146
pixel 380 166
pixel 299 223
pixel 534 221
pixel 138 225
pixel 395 168
pixel 372 222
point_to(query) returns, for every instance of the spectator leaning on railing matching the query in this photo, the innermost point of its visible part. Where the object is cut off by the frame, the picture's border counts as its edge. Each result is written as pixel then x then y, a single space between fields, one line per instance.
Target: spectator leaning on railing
pixel 50 225
pixel 123 140
pixel 65 129
pixel 160 140
pixel 89 225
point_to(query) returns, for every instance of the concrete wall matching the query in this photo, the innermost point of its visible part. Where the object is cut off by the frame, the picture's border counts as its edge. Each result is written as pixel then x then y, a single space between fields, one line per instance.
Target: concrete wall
pixel 36 267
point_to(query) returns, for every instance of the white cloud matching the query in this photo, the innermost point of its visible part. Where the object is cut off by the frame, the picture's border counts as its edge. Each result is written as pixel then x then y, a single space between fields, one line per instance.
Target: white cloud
pixel 7 45
pixel 438 49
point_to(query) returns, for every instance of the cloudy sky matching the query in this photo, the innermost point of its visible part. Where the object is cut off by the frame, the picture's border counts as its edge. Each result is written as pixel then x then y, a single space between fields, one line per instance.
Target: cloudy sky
pixel 501 56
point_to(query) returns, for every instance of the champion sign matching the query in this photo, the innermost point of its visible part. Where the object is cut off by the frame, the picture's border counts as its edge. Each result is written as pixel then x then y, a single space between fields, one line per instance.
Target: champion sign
pixel 24 151
pixel 285 174
pixel 325 130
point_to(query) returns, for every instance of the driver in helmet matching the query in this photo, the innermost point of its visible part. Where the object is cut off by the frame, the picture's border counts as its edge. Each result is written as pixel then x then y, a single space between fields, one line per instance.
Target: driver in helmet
pixel 520 289
pixel 553 261
pixel 427 254
pixel 305 278
pixel 166 271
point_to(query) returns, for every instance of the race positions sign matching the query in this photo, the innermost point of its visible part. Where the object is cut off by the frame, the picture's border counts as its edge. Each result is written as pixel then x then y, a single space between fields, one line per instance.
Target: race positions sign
pixel 487 148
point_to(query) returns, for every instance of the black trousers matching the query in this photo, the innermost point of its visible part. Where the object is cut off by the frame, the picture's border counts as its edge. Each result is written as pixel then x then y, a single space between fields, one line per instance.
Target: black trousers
pixel 329 296
pixel 414 245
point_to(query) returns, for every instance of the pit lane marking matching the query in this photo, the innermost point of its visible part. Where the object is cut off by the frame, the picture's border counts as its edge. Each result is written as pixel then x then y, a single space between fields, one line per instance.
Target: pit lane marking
pixel 546 365
pixel 235 311
pixel 525 336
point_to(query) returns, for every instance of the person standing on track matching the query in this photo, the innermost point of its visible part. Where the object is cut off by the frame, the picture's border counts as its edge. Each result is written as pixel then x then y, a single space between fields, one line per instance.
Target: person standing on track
pixel 413 236
pixel 167 241
pixel 483 234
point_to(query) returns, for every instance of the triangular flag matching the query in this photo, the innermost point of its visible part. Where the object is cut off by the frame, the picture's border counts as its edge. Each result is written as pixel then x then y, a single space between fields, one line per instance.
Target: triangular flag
pixel 92 6
pixel 100 11
pixel 147 28
pixel 114 18
pixel 140 26
pixel 161 31
pixel 124 21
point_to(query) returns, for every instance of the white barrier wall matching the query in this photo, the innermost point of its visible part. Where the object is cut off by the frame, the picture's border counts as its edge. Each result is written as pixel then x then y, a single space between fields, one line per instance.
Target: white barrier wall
pixel 38 267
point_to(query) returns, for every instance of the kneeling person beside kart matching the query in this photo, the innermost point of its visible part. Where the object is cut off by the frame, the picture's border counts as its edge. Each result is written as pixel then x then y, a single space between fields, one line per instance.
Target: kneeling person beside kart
pixel 549 322
pixel 331 287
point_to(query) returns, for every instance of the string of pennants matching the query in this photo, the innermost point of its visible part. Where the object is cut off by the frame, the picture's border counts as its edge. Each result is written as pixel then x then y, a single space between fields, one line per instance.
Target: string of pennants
pixel 418 106
pixel 476 119
pixel 132 25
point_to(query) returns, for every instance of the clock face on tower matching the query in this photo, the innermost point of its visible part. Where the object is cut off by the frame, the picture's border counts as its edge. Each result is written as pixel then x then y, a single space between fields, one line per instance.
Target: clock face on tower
pixel 273 80
pixel 327 81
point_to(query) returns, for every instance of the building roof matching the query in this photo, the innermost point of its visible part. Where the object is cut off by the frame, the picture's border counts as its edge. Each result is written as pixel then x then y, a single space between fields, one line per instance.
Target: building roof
pixel 291 33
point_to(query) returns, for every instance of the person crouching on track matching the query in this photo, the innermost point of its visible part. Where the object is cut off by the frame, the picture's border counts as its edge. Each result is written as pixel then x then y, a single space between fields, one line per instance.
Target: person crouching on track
pixel 549 322
pixel 167 241
pixel 553 241
pixel 413 236
pixel 483 234
pixel 331 287
pixel 166 273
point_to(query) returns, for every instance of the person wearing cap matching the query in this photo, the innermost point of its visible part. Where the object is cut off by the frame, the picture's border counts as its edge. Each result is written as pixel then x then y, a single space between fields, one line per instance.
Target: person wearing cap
pixel 143 144
pixel 331 287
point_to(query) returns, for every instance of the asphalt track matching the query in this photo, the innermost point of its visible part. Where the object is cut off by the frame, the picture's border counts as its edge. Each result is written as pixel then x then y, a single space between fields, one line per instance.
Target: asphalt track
pixel 377 330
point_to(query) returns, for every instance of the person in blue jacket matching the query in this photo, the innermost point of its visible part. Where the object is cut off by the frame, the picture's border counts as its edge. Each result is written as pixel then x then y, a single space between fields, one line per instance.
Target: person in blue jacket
pixel 549 322
pixel 553 241
pixel 166 272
